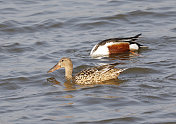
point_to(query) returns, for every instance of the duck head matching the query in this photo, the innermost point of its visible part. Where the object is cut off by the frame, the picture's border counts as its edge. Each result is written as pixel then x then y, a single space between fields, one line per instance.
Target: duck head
pixel 63 63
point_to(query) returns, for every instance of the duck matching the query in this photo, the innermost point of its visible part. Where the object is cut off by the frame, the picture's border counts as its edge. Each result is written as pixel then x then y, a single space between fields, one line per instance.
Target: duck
pixel 116 45
pixel 89 76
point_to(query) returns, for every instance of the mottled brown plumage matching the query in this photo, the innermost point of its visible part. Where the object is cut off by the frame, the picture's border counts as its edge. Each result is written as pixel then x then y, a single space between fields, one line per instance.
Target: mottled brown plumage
pixel 95 75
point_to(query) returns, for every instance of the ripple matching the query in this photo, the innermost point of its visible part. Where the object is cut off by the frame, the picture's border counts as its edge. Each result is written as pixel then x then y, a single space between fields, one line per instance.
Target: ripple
pixel 12 27
pixel 16 79
pixel 129 16
pixel 9 86
pixel 149 86
pixel 138 70
pixel 16 48
pixel 91 25
pixel 41 43
pixel 9 23
pixel 9 11
pixel 114 17
pixel 115 120
pixel 171 77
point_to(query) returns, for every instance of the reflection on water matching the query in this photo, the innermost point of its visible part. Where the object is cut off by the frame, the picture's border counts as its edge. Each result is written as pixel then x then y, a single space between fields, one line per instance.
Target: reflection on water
pixel 68 86
pixel 124 56
pixel 120 56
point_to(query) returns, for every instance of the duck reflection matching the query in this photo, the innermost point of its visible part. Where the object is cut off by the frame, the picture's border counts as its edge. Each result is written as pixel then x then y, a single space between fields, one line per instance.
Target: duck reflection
pixel 121 56
pixel 68 85
pixel 125 56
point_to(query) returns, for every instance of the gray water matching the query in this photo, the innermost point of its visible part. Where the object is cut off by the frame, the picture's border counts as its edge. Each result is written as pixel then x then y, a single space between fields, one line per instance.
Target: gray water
pixel 34 35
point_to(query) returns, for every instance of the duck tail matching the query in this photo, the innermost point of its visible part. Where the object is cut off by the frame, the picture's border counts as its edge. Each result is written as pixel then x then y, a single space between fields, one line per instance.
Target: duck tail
pixel 137 36
pixel 121 70
pixel 143 46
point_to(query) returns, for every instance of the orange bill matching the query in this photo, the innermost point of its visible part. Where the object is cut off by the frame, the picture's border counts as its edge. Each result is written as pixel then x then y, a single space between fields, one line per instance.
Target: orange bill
pixel 56 67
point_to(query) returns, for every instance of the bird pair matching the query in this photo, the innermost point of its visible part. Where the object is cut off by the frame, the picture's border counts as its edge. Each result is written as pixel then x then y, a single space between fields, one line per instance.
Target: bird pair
pixel 97 75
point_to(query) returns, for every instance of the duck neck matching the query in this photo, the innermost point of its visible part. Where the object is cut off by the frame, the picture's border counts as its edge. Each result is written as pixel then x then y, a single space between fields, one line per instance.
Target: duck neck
pixel 68 72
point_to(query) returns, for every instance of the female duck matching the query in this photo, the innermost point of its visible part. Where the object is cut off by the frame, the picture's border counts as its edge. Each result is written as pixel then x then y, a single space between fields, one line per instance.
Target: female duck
pixel 88 76
pixel 116 45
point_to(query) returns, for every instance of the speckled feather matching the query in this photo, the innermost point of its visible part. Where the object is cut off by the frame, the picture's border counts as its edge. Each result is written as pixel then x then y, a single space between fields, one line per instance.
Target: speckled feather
pixel 97 75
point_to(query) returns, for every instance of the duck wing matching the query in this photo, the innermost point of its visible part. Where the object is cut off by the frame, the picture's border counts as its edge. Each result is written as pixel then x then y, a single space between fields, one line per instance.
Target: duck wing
pixel 127 39
pixel 96 75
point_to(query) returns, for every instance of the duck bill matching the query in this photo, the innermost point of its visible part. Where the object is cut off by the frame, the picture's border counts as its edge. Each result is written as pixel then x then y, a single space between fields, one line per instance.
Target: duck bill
pixel 56 67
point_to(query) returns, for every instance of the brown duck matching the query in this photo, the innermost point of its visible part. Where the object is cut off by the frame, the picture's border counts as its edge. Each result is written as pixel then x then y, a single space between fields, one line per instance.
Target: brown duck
pixel 95 75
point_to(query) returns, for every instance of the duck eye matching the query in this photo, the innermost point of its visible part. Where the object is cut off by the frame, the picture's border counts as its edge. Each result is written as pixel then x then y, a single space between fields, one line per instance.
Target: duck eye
pixel 62 60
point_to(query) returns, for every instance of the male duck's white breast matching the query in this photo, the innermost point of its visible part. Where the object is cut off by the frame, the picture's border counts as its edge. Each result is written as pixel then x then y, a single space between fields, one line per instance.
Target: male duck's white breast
pixel 134 47
pixel 109 48
pixel 98 50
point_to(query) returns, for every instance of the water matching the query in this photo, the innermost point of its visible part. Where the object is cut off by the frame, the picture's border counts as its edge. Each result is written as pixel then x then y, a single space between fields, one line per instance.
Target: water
pixel 34 35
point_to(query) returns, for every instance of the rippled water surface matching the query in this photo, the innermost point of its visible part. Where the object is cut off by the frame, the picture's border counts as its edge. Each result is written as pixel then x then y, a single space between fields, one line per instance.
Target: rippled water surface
pixel 34 35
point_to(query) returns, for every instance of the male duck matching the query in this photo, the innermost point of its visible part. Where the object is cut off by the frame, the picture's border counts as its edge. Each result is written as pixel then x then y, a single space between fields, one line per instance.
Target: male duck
pixel 95 75
pixel 116 45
